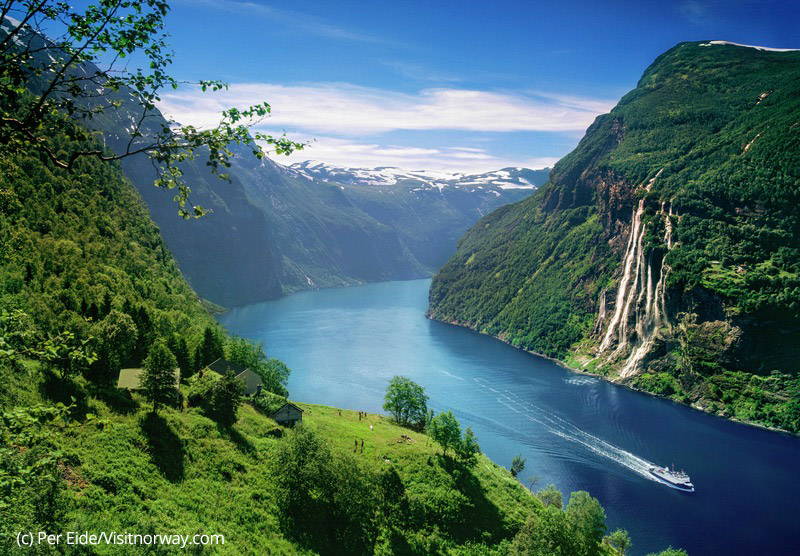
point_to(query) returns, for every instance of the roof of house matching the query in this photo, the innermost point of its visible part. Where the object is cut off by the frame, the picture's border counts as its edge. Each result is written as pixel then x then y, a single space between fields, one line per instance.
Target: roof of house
pixel 221 366
pixel 131 379
pixel 290 404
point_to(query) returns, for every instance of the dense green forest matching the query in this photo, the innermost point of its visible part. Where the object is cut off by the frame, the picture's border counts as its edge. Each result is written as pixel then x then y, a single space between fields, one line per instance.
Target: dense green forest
pixel 708 142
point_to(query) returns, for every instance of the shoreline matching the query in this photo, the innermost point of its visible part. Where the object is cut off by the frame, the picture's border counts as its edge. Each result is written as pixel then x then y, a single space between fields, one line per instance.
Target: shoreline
pixel 566 367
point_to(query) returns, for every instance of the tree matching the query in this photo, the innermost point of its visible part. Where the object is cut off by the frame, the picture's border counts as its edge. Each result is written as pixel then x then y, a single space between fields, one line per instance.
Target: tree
pixel 670 552
pixel 245 352
pixel 517 465
pixel 551 496
pixel 226 396
pixel 547 533
pixel 446 430
pixel 619 540
pixel 327 499
pixel 50 79
pixel 31 476
pixel 158 380
pixel 177 345
pixel 197 360
pixel 213 347
pixel 18 334
pixel 406 401
pixel 468 448
pixel 66 354
pixel 588 520
pixel 115 337
pixel 275 375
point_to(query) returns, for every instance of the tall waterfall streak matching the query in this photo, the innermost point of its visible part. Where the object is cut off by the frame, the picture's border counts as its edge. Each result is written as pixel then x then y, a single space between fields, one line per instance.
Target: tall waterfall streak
pixel 622 339
pixel 655 314
pixel 630 252
pixel 668 227
pixel 619 320
pixel 649 302
pixel 601 313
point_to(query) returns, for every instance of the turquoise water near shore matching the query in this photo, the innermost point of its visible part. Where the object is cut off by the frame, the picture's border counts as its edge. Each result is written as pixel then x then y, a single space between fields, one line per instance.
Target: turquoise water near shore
pixel 581 433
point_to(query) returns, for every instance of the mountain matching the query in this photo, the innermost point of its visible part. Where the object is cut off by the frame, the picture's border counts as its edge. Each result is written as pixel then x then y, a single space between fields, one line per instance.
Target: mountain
pixel 429 211
pixel 274 230
pixel 499 180
pixel 285 229
pixel 664 252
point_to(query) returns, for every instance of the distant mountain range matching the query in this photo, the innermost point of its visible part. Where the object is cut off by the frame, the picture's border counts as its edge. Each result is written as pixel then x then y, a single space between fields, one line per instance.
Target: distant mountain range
pixel 507 178
pixel 279 229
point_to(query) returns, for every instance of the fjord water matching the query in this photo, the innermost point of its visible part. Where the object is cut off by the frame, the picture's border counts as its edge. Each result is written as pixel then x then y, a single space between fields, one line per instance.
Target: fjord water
pixel 580 433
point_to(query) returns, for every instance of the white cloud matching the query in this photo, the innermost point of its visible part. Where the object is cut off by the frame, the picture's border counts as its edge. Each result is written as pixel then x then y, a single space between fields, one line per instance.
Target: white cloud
pixel 350 110
pixel 338 151
pixel 296 20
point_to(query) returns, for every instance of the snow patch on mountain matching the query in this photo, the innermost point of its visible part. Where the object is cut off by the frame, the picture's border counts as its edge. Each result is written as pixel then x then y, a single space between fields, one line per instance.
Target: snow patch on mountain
pixel 506 178
pixel 767 48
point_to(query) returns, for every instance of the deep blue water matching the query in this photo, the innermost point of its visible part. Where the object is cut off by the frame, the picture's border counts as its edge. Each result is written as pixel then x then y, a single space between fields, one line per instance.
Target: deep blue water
pixel 580 433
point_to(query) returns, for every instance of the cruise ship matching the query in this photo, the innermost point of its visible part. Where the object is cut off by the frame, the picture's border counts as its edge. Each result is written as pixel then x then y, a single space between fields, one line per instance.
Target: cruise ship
pixel 675 479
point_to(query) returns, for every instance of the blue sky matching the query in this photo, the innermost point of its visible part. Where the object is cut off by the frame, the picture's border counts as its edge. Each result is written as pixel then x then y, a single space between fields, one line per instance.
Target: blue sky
pixel 452 86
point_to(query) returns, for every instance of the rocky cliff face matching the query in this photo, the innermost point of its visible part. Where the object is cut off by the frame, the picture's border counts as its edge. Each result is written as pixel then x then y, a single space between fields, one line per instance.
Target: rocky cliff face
pixel 664 251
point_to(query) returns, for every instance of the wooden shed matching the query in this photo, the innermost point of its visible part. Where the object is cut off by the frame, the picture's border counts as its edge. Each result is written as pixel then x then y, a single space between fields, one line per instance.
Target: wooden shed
pixel 288 415
pixel 250 379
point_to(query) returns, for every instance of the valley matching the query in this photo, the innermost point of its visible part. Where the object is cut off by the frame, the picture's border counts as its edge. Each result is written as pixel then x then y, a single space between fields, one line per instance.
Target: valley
pixel 398 287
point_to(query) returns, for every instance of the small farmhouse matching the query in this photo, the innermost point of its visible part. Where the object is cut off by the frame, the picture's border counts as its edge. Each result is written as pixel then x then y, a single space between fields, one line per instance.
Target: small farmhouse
pixel 131 379
pixel 221 366
pixel 288 415
pixel 250 379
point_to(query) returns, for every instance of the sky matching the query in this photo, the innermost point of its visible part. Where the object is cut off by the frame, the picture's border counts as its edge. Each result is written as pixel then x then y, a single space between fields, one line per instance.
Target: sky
pixel 449 86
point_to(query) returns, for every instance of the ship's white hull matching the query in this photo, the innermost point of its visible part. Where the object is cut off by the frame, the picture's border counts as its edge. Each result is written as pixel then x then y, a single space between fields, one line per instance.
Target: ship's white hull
pixel 676 486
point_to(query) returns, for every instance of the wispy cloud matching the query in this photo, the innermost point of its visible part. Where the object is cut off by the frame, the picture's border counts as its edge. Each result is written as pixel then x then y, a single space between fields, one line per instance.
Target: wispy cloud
pixel 422 73
pixel 338 151
pixel 292 19
pixel 350 110
pixel 696 11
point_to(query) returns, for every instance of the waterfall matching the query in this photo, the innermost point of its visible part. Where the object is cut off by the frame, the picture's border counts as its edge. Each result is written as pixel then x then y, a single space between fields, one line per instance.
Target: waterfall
pixel 640 297
pixel 668 226
pixel 630 253
pixel 601 313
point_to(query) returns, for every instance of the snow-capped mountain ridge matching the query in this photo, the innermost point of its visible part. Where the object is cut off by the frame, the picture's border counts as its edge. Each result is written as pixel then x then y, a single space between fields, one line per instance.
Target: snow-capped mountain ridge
pixel 506 178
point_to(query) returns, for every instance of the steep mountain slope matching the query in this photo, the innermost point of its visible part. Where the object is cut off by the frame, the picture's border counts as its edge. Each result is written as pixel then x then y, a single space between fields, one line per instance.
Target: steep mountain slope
pixel 429 211
pixel 274 230
pixel 665 250
pixel 75 245
pixel 307 232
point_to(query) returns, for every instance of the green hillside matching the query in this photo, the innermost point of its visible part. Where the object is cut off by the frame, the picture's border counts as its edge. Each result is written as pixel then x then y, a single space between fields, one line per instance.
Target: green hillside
pixel 269 490
pixel 76 245
pixel 665 250
pixel 88 286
